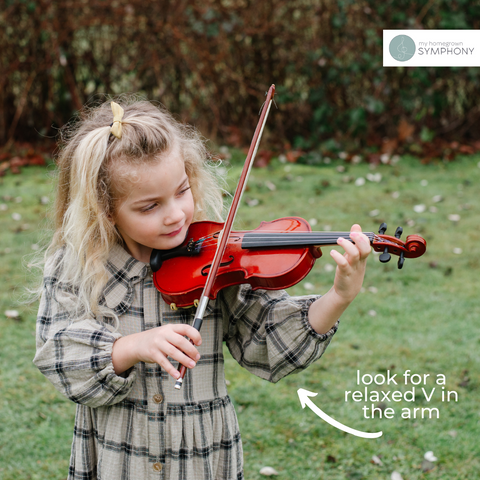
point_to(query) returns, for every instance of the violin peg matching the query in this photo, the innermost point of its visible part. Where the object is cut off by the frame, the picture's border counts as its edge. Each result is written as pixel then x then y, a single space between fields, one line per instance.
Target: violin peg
pixel 385 256
pixel 398 232
pixel 382 229
pixel 401 261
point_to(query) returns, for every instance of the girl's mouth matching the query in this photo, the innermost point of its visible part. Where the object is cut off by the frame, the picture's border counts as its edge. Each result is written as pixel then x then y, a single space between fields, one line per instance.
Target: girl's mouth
pixel 174 233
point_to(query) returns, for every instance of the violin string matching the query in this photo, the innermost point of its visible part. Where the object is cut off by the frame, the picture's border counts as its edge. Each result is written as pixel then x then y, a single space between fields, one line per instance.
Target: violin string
pixel 287 241
pixel 290 236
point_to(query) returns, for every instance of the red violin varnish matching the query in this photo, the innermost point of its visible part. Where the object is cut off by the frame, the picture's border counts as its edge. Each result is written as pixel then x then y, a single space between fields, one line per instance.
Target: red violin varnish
pixel 276 255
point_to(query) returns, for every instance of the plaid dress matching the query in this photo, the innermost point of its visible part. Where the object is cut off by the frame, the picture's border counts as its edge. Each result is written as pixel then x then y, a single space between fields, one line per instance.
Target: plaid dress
pixel 136 425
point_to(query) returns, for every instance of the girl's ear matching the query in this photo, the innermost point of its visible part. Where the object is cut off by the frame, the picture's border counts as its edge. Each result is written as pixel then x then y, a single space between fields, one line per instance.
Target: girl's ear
pixel 111 218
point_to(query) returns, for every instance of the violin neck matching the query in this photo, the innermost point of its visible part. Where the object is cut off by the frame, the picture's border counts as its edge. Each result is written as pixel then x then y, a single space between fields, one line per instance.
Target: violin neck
pixel 295 239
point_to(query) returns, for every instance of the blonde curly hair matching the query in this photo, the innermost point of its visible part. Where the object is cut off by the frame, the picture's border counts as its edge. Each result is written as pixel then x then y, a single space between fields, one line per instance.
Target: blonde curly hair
pixel 90 183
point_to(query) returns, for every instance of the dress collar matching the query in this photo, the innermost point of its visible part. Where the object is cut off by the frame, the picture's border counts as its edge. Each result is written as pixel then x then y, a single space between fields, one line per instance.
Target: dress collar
pixel 123 271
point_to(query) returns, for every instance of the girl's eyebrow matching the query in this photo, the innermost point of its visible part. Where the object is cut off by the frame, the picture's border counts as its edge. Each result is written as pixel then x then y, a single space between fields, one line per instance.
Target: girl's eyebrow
pixel 151 199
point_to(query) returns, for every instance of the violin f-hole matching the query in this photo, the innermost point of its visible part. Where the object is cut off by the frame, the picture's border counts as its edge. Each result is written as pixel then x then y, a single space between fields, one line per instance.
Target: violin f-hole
pixel 223 264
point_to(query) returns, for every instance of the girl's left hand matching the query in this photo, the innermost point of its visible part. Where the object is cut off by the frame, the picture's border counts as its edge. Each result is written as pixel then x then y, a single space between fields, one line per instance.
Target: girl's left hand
pixel 351 265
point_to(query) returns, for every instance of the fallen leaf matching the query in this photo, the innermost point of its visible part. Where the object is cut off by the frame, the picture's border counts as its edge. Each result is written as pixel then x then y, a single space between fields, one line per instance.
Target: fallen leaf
pixel 376 460
pixel 429 456
pixel 374 177
pixel 405 130
pixel 270 185
pixel 419 208
pixel 360 181
pixel 13 314
pixel 293 155
pixel 268 471
pixel 467 149
pixel 263 158
pixel 395 476
pixel 385 158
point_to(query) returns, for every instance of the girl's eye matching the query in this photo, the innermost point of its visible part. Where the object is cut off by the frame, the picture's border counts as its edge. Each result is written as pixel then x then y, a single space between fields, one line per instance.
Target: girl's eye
pixel 185 190
pixel 150 207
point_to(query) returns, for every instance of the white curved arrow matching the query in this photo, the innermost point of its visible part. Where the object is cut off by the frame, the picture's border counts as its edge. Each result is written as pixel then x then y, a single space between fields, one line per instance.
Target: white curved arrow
pixel 304 400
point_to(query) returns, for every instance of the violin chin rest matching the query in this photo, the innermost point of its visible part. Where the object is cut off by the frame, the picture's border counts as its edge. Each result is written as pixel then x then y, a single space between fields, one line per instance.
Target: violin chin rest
pixel 156 260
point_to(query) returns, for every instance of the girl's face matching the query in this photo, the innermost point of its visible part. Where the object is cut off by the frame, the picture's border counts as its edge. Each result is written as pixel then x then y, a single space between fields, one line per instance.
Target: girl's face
pixel 157 209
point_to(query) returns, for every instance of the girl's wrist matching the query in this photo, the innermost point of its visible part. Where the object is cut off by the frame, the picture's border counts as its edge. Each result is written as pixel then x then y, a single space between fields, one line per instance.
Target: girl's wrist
pixel 124 354
pixel 324 312
pixel 341 301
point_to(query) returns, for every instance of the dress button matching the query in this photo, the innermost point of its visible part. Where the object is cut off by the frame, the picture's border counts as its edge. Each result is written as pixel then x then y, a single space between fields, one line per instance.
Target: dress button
pixel 158 398
pixel 157 467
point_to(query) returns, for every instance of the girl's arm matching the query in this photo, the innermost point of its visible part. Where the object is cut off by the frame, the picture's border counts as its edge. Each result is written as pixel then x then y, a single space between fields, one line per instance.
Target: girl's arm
pixel 273 335
pixel 325 311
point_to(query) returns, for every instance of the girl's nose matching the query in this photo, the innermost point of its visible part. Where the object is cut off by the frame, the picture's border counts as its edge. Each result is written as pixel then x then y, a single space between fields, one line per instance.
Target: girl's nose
pixel 174 215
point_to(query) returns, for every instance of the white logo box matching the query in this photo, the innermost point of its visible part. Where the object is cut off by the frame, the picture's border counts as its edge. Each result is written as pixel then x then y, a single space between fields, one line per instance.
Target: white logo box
pixel 432 48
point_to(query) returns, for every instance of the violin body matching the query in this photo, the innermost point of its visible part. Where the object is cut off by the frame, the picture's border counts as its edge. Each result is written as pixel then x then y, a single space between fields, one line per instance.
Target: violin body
pixel 181 279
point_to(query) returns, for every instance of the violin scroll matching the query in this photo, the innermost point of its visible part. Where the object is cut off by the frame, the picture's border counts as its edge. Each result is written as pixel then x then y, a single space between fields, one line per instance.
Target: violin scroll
pixel 414 247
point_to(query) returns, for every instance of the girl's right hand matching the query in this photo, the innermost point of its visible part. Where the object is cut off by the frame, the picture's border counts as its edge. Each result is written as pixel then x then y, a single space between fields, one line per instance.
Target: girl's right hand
pixel 169 340
pixel 155 345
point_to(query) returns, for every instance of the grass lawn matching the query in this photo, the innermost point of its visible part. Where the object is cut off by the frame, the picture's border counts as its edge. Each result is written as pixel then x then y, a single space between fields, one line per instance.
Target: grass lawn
pixel 423 318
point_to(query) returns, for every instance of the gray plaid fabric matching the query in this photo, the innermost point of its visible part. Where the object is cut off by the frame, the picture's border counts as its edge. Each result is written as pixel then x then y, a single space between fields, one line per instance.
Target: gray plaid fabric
pixel 136 425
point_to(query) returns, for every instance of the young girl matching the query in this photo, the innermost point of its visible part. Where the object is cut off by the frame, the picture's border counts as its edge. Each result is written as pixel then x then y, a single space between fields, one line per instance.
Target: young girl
pixel 130 182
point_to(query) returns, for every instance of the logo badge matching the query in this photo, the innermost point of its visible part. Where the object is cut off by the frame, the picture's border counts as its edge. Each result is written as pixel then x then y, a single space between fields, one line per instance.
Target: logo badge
pixel 402 48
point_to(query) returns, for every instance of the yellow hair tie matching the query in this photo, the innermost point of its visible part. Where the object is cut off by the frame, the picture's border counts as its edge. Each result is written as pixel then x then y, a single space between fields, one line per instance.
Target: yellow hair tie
pixel 117 120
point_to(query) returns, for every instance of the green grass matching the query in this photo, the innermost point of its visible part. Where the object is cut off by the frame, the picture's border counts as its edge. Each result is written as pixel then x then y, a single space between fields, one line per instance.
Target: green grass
pixel 426 320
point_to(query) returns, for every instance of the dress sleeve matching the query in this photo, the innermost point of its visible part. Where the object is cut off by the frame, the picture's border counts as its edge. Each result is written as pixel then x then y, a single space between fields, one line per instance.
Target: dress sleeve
pixel 268 332
pixel 76 356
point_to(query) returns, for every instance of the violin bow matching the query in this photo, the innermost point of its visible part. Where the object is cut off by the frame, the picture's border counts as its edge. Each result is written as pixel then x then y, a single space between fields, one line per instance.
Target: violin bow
pixel 227 227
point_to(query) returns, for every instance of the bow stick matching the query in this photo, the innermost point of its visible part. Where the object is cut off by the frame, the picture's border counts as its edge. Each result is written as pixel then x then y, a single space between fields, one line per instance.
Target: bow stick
pixel 227 227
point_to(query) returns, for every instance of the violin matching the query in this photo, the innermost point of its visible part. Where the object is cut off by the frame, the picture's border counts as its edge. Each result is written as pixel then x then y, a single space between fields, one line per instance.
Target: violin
pixel 276 255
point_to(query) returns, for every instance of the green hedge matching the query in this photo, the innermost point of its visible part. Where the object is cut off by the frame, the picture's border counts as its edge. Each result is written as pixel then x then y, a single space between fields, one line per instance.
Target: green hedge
pixel 211 62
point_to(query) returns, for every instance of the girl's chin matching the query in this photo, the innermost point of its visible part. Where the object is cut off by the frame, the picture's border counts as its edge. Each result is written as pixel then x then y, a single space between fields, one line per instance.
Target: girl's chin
pixel 168 243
